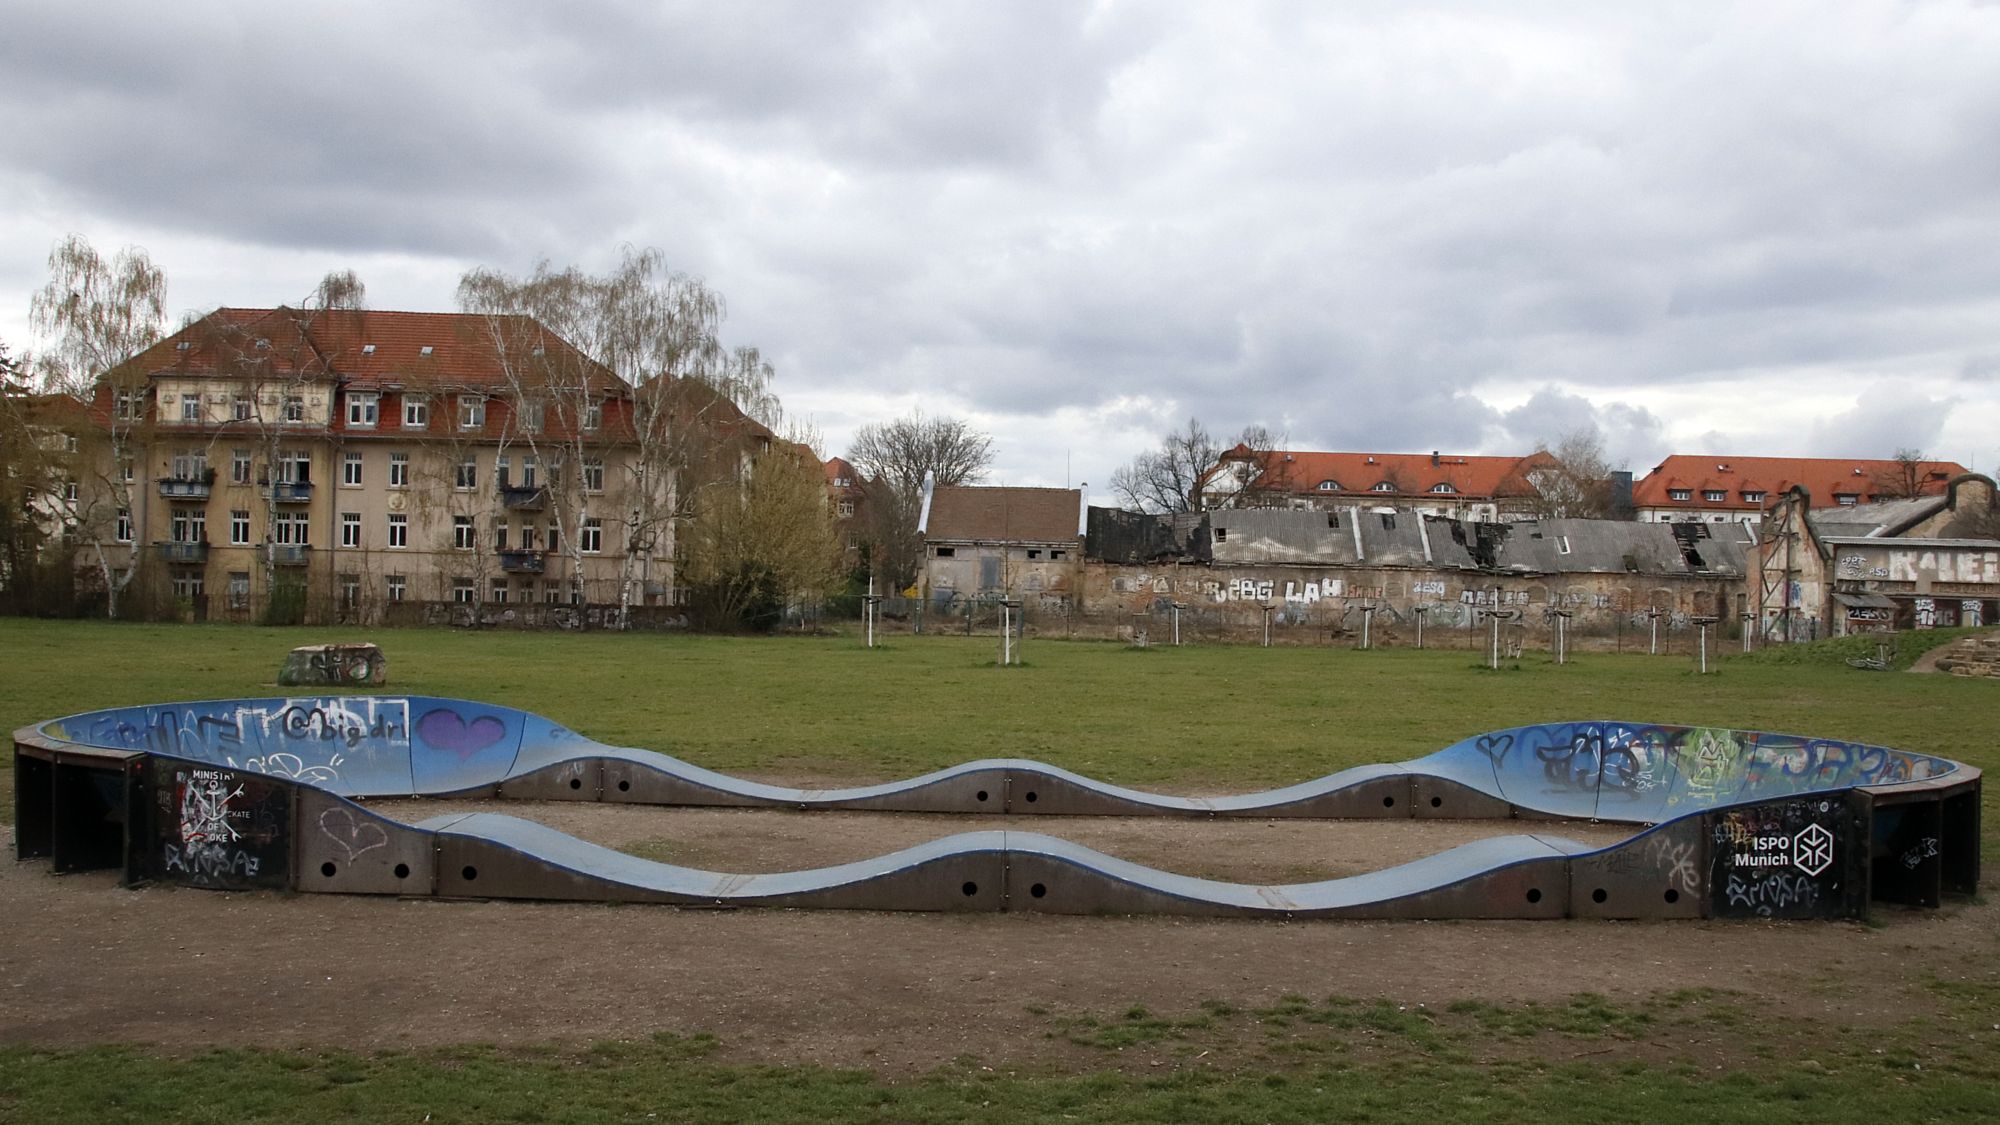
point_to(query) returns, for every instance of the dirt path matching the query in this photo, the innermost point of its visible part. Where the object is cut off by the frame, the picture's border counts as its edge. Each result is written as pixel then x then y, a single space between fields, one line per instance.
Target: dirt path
pixel 84 961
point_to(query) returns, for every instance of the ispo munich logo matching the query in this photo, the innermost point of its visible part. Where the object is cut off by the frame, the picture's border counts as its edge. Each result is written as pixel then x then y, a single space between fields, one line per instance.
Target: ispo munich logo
pixel 1812 849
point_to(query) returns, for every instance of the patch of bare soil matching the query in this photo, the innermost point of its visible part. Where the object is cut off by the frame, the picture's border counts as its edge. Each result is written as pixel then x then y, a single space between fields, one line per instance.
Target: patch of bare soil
pixel 83 961
pixel 1244 851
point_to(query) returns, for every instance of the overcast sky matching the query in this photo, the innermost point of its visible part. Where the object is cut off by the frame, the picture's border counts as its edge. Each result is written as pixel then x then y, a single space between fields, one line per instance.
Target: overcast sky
pixel 1765 228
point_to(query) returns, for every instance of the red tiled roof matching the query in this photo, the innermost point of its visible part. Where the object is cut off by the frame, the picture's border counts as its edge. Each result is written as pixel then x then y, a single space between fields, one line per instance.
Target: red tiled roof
pixel 838 468
pixel 362 347
pixel 1011 515
pixel 1823 477
pixel 1409 475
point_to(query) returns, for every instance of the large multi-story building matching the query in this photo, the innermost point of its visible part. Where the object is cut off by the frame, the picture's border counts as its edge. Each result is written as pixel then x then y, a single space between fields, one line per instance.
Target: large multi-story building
pixel 1706 489
pixel 345 461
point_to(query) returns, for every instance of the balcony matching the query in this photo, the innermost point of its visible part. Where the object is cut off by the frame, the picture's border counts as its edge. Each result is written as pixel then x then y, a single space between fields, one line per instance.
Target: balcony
pixel 188 488
pixel 289 554
pixel 288 491
pixel 193 553
pixel 524 498
pixel 524 562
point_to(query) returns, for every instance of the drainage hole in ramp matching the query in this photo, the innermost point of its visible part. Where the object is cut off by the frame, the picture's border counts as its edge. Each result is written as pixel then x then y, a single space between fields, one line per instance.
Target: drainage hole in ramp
pixel 1437 802
pixel 1534 894
pixel 469 872
pixel 1673 895
pixel 1388 802
pixel 1038 890
pixel 1598 895
pixel 402 871
pixel 327 869
pixel 576 783
pixel 1031 796
pixel 624 787
pixel 970 889
pixel 979 796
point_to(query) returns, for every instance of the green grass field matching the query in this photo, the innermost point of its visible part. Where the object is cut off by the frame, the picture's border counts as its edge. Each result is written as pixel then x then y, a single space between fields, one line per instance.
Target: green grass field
pixel 1198 718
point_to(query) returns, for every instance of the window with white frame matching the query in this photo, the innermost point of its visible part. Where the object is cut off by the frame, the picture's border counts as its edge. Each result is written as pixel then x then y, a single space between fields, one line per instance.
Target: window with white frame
pixel 363 409
pixel 471 412
pixel 530 469
pixel 350 470
pixel 295 408
pixel 1442 487
pixel 416 412
pixel 129 405
pixel 846 509
pixel 190 407
pixel 123 532
pixel 1680 493
pixel 399 531
pixel 350 591
pixel 295 467
pixel 128 470
pixel 239 408
pixel 593 474
pixel 461 590
pixel 399 470
pixel 593 536
pixel 467 476
pixel 239 527
pixel 1753 497
pixel 397 585
pixel 71 492
pixel 1714 495
pixel 350 529
pixel 292 529
pixel 190 464
pixel 239 589
pixel 555 536
pixel 497 591
pixel 499 535
pixel 461 533
pixel 532 414
pixel 239 466
pixel 1384 486
pixel 189 525
pixel 593 415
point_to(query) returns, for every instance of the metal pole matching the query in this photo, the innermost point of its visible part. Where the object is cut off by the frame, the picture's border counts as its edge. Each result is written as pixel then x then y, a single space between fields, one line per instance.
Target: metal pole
pixel 1177 624
pixel 1749 622
pixel 1006 638
pixel 1420 627
pixel 1493 630
pixel 1653 621
pixel 1367 618
pixel 1704 649
pixel 1267 626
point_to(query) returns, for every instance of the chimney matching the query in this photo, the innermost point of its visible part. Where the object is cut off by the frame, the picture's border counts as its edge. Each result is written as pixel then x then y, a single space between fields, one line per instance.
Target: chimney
pixel 1434 457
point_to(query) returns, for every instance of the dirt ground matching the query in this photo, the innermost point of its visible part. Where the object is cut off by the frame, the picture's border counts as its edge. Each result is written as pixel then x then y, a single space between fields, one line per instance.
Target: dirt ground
pixel 83 961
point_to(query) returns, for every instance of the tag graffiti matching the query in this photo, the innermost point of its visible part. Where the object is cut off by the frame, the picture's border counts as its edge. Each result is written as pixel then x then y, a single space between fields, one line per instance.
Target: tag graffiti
pixel 209 829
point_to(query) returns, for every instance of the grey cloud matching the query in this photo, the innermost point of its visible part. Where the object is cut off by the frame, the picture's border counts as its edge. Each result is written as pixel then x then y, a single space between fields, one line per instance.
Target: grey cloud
pixel 1885 417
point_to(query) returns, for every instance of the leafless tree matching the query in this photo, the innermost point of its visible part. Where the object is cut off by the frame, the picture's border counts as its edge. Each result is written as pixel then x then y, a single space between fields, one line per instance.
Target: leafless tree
pixel 896 456
pixel 280 370
pixel 1577 484
pixel 97 315
pixel 627 358
pixel 1904 477
pixel 1168 479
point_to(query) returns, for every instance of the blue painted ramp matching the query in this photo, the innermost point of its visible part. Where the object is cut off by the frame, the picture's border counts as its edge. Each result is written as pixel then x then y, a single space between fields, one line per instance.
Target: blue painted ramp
pixel 327 750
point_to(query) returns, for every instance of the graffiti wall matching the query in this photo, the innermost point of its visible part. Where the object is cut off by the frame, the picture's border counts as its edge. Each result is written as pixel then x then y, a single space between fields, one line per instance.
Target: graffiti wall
pixel 219 828
pixel 1802 858
pixel 1230 602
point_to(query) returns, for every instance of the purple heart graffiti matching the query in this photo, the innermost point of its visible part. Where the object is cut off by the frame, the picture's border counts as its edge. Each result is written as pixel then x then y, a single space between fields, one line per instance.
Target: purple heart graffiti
pixel 446 730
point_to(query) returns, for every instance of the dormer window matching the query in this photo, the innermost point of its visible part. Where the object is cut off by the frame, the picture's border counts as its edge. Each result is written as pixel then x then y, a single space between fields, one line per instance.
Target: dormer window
pixel 1680 493
pixel 1329 486
pixel 1714 495
pixel 425 350
pixel 1846 499
pixel 1753 497
pixel 1383 486
pixel 1442 486
pixel 363 409
pixel 367 349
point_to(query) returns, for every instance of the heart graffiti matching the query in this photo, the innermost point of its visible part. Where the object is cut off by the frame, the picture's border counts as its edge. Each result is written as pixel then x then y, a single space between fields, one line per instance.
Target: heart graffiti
pixel 446 730
pixel 354 837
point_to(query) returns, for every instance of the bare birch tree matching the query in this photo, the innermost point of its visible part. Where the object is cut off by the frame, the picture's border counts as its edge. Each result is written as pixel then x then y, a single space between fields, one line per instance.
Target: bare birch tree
pixel 1578 484
pixel 97 316
pixel 269 367
pixel 1168 478
pixel 630 358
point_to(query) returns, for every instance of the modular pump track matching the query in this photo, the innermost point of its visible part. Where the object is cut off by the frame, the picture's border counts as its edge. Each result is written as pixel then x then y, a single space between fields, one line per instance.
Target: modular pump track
pixel 267 793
